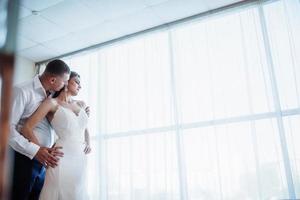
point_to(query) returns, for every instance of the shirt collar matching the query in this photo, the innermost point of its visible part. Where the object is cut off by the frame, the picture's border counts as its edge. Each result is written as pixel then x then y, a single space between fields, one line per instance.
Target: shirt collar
pixel 38 85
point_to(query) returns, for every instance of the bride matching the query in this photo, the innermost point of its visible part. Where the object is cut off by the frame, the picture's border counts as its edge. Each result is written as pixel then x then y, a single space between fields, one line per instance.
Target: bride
pixel 69 120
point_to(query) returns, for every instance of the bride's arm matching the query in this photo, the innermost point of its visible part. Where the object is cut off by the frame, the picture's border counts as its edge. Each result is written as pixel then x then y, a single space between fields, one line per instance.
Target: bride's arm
pixel 87 148
pixel 27 130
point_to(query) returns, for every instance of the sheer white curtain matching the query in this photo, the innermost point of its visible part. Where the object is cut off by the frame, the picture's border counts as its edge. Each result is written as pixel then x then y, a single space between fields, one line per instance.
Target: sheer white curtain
pixel 204 110
pixel 128 89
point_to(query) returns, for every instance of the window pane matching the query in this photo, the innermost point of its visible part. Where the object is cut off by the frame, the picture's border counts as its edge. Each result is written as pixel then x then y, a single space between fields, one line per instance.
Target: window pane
pixel 235 161
pixel 140 167
pixel 292 128
pixel 95 173
pixel 283 22
pixel 135 84
pixel 220 68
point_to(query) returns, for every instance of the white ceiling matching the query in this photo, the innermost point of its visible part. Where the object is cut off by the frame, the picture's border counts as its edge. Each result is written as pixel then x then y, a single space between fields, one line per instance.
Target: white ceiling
pixel 63 26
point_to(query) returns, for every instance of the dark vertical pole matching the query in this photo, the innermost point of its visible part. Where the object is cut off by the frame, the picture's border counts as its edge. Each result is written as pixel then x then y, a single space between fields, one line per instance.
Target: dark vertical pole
pixel 8 28
pixel 6 73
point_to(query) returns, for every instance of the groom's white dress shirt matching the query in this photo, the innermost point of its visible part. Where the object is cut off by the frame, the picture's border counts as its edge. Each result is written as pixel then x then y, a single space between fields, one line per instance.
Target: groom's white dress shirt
pixel 26 99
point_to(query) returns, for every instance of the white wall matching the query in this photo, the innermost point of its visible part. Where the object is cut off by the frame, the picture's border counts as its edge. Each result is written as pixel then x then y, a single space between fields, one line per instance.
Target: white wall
pixel 24 69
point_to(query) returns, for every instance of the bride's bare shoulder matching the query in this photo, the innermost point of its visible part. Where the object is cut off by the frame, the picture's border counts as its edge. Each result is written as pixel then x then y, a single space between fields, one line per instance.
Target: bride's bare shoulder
pixel 50 103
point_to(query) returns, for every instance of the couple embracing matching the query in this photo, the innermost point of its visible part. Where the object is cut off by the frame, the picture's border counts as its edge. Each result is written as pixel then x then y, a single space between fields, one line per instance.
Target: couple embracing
pixel 43 168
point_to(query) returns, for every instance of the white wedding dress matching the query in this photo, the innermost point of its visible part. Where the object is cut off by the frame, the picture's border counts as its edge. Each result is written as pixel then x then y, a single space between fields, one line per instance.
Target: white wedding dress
pixel 67 180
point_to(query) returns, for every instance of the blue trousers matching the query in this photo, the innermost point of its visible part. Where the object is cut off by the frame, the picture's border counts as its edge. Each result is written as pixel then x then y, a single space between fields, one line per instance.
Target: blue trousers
pixel 28 178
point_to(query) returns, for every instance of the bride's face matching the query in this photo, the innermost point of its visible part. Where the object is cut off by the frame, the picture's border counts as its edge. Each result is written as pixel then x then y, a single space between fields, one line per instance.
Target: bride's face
pixel 74 85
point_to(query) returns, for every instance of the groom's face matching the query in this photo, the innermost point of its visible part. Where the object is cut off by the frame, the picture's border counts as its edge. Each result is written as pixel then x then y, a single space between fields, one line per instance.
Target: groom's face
pixel 60 81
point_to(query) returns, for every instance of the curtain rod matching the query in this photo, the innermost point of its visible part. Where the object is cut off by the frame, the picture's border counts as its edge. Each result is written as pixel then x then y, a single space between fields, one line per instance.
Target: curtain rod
pixel 182 21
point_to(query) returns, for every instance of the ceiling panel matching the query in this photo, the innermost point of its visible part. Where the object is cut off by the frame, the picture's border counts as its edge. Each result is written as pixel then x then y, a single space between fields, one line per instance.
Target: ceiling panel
pixel 100 33
pixel 39 29
pixel 106 31
pixel 178 9
pixel 38 52
pixel 219 3
pixel 38 5
pixel 111 9
pixel 138 21
pixel 23 12
pixel 154 2
pixel 71 16
pixel 67 44
pixel 23 43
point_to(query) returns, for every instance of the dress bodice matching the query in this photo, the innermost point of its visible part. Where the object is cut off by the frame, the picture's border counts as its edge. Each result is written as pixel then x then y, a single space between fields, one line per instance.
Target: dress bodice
pixel 68 125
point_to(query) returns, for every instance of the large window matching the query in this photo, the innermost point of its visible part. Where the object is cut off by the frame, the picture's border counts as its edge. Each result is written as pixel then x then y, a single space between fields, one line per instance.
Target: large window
pixel 208 109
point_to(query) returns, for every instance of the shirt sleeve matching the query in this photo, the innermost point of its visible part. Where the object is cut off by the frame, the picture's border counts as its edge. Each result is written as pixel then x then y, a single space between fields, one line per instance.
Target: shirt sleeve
pixel 16 140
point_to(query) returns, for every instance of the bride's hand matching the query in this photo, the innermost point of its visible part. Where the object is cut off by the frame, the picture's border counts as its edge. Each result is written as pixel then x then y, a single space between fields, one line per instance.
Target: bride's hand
pixel 87 110
pixel 87 149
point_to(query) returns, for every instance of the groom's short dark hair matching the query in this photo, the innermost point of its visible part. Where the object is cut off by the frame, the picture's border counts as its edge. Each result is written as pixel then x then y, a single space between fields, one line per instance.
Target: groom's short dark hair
pixel 57 67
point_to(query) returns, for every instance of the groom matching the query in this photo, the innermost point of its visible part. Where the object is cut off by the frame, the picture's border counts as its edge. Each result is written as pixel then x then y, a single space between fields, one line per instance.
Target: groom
pixel 29 158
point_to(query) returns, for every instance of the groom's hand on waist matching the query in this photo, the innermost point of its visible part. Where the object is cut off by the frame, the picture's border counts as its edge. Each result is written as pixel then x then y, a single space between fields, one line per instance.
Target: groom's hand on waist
pixel 49 156
pixel 56 151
